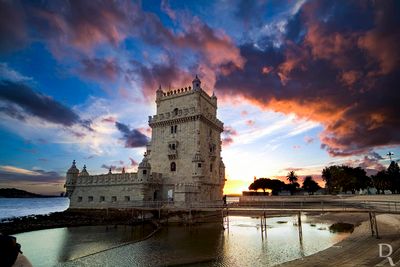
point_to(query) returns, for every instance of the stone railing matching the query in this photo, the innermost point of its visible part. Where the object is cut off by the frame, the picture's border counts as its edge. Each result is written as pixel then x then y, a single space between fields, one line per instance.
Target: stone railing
pixel 115 179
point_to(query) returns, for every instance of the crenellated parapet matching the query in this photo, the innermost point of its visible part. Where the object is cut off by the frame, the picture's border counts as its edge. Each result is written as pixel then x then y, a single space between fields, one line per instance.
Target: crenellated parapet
pixel 116 179
pixel 184 115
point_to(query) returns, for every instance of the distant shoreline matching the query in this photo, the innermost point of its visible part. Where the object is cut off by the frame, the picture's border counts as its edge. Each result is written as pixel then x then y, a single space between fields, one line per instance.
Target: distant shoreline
pixel 18 193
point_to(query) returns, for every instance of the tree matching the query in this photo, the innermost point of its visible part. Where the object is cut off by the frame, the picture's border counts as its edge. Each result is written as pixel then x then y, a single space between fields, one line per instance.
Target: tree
pixel 292 177
pixel 345 178
pixel 393 173
pixel 310 185
pixel 265 183
pixel 261 183
pixel 381 181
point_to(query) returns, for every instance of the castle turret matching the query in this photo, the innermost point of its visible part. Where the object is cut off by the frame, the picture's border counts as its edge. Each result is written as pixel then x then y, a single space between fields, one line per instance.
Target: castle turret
pixel 84 172
pixel 159 92
pixel 196 84
pixel 144 169
pixel 71 178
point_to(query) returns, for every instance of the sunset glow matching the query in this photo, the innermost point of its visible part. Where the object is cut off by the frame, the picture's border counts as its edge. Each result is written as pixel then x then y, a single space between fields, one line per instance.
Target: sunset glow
pixel 300 84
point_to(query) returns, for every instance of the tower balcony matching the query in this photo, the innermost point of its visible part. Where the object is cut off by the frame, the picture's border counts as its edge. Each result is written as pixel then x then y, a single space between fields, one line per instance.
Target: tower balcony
pixel 212 155
pixel 172 154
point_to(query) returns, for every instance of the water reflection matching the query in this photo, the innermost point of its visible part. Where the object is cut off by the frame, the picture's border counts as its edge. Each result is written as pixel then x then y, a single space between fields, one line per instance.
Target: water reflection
pixel 49 247
pixel 201 245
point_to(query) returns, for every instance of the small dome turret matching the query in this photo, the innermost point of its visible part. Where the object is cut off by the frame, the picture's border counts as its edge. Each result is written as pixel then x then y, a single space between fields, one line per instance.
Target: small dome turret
pixel 159 92
pixel 73 169
pixel 196 83
pixel 145 163
pixel 144 169
pixel 84 171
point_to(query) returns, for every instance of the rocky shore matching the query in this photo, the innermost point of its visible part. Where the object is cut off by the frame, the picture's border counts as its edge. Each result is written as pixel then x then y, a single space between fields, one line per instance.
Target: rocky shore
pixel 70 218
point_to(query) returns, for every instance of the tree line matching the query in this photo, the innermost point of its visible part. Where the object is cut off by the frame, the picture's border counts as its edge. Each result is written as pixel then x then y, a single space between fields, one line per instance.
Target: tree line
pixel 344 178
pixel 277 186
pixel 338 178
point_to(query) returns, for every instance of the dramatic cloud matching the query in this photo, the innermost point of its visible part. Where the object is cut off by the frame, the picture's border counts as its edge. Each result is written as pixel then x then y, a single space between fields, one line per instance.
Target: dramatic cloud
pixel 100 69
pixel 76 30
pixel 79 23
pixel 132 138
pixel 227 135
pixel 336 67
pixel 20 97
pixel 13 33
pixel 14 174
pixel 168 75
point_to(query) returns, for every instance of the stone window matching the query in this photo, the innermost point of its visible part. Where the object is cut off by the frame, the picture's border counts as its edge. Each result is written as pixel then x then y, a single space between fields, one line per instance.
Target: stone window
pixel 199 165
pixel 212 148
pixel 90 198
pixel 127 198
pixel 175 112
pixel 144 172
pixel 173 166
pixel 211 167
pixel 102 199
pixel 174 129
pixel 80 199
pixel 114 199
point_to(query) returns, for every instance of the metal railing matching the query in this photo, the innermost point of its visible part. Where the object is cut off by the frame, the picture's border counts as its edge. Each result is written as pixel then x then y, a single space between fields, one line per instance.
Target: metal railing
pixel 268 204
pixel 337 204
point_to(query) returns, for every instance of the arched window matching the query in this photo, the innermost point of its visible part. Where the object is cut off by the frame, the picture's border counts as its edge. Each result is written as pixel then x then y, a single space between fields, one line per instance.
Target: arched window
pixel 173 166
pixel 176 111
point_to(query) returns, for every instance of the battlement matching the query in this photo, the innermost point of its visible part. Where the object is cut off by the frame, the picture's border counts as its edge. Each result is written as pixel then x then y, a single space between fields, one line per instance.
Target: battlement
pixel 116 179
pixel 178 91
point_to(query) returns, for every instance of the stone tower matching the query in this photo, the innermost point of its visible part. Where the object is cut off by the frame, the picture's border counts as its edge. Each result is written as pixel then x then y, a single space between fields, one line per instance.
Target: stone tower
pixel 186 145
pixel 72 177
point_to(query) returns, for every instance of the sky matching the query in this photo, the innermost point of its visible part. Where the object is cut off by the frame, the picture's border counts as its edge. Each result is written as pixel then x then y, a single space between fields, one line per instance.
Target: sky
pixel 301 85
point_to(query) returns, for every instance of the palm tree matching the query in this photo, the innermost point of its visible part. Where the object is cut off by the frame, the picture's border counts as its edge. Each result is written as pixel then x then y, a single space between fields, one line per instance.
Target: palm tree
pixel 292 177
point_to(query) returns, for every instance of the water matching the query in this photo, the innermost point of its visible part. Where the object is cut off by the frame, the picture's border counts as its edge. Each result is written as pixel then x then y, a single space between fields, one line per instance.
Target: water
pixel 16 207
pixel 66 244
pixel 200 245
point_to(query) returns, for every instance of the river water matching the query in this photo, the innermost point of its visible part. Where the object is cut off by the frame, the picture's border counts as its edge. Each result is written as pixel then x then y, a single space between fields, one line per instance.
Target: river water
pixel 201 245
pixel 17 207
